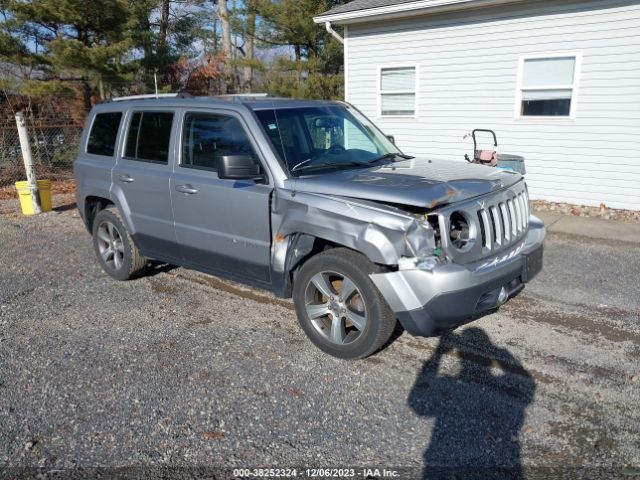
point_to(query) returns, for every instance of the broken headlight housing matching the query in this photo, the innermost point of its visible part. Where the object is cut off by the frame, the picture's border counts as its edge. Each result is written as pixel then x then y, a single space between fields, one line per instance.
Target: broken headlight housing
pixel 423 245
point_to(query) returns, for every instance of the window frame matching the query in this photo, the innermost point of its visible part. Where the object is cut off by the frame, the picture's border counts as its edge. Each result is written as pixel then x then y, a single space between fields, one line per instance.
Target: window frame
pixel 415 90
pixel 577 68
pixel 125 137
pixel 214 172
pixel 123 117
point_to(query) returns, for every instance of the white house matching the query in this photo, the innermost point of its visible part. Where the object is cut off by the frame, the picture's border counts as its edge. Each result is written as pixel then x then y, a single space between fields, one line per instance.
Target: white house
pixel 558 81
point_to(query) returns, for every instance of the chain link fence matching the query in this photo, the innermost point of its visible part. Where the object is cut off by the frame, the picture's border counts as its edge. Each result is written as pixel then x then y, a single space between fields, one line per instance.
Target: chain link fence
pixel 54 125
pixel 54 148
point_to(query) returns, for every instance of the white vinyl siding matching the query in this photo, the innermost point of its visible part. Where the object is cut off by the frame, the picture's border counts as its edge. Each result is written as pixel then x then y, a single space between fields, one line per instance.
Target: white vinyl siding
pixel 468 66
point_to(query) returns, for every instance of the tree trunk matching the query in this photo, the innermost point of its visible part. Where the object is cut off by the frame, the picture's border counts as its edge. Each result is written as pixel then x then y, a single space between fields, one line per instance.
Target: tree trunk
pixel 101 88
pixel 298 52
pixel 161 46
pixel 251 30
pixel 223 13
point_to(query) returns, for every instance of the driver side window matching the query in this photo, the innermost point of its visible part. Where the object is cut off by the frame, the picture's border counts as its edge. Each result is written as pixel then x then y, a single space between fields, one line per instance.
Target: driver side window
pixel 208 136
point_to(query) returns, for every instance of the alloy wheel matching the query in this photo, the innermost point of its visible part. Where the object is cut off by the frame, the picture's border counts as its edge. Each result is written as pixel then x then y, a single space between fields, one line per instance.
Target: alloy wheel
pixel 110 245
pixel 335 307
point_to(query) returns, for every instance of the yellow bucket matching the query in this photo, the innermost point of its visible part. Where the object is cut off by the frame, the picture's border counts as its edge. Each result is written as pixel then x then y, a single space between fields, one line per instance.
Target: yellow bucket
pixel 44 186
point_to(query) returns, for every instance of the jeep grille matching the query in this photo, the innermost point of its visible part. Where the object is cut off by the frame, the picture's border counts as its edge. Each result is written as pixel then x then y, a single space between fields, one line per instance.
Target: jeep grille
pixel 496 222
pixel 503 223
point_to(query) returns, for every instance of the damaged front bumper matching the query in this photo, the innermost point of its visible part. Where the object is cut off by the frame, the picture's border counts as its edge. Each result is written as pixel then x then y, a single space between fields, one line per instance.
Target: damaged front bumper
pixel 428 302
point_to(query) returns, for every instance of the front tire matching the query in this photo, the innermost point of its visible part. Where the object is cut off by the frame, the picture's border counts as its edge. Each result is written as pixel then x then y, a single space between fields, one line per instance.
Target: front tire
pixel 114 247
pixel 339 307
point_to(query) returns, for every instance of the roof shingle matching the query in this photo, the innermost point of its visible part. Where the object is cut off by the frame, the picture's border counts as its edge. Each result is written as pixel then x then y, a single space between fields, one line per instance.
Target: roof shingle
pixel 356 5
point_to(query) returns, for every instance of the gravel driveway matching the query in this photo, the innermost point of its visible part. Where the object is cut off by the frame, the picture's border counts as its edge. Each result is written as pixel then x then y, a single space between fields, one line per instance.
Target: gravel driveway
pixel 182 369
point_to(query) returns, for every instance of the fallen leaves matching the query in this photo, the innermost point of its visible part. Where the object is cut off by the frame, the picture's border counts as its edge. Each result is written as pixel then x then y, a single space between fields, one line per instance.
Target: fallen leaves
pixel 213 435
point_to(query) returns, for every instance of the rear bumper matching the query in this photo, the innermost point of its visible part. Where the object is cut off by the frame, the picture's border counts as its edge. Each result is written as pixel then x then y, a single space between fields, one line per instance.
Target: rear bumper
pixel 429 302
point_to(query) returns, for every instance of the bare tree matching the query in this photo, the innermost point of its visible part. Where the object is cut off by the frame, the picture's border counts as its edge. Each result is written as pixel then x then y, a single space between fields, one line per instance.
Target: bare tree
pixel 223 13
pixel 249 44
pixel 161 45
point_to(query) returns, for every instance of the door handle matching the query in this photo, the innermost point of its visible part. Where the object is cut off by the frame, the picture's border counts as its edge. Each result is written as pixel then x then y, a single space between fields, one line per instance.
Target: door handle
pixel 125 178
pixel 188 189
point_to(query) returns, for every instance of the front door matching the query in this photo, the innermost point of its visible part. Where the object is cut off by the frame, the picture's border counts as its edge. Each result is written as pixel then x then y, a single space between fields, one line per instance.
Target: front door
pixel 221 225
pixel 142 176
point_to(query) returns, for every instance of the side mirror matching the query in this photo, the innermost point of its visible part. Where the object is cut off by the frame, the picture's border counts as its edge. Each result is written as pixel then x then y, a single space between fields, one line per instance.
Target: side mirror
pixel 238 167
pixel 391 138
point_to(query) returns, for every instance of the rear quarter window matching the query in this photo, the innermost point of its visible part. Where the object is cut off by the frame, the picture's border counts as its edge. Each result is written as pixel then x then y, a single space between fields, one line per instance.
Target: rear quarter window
pixel 103 135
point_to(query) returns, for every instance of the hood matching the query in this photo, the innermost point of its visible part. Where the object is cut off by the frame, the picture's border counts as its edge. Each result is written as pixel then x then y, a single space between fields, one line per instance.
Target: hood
pixel 417 182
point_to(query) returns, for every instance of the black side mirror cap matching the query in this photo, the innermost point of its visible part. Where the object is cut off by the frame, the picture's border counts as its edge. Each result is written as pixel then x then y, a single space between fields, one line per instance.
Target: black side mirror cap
pixel 239 167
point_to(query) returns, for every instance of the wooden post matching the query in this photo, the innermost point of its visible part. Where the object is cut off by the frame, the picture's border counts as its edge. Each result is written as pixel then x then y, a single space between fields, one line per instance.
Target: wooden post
pixel 21 122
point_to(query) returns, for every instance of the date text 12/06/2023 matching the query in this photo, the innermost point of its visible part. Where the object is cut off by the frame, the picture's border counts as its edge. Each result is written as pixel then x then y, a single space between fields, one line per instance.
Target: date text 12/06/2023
pixel 371 473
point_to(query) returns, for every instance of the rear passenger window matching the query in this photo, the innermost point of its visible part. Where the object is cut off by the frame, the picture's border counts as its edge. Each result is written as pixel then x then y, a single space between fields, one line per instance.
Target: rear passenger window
pixel 148 137
pixel 207 137
pixel 104 131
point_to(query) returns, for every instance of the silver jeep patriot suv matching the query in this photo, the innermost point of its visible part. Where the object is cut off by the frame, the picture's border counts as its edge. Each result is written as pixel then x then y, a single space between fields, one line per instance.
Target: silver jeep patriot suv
pixel 310 200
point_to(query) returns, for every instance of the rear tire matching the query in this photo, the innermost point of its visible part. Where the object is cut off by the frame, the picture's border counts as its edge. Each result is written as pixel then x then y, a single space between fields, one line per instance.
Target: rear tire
pixel 339 307
pixel 114 247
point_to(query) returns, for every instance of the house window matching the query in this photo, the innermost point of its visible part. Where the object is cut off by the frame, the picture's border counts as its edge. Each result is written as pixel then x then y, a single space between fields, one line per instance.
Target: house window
pixel 397 91
pixel 548 86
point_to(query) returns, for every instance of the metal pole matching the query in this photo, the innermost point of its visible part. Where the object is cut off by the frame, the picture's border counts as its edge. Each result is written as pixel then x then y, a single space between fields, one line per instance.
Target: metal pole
pixel 28 162
pixel 155 81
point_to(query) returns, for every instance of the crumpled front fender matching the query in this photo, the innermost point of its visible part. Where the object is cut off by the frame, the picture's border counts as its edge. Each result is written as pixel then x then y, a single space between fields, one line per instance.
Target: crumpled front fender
pixel 383 234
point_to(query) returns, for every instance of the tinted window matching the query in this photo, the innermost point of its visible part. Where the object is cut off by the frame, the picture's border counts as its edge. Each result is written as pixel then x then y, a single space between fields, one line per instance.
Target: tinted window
pixel 207 137
pixel 547 107
pixel 132 137
pixel 102 139
pixel 149 136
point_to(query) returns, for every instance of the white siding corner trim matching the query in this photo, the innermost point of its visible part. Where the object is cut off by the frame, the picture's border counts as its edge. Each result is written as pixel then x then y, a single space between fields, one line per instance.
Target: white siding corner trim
pixel 345 63
pixel 577 68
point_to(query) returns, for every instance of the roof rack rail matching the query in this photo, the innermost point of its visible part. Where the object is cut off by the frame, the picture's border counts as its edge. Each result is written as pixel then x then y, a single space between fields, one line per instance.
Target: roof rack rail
pixel 243 95
pixel 152 96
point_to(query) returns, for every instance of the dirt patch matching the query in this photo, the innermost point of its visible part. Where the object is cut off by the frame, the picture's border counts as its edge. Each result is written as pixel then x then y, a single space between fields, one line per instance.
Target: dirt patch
pixel 200 323
pixel 218 284
pixel 484 361
pixel 530 308
pixel 161 287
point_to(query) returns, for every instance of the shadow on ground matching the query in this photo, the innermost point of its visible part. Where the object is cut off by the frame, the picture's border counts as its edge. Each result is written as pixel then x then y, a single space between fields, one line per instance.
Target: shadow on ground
pixel 477 413
pixel 66 207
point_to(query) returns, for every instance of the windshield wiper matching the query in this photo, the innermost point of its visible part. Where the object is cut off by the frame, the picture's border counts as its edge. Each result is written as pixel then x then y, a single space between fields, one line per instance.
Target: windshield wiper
pixel 391 156
pixel 299 168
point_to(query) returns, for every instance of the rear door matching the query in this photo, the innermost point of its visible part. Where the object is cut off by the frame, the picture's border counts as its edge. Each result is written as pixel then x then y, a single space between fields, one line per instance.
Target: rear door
pixel 221 225
pixel 141 178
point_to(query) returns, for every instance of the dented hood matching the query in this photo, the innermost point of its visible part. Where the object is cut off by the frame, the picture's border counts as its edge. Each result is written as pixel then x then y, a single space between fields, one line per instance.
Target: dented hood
pixel 417 182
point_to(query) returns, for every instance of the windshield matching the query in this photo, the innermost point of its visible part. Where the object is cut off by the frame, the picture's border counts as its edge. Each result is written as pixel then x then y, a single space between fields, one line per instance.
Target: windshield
pixel 325 138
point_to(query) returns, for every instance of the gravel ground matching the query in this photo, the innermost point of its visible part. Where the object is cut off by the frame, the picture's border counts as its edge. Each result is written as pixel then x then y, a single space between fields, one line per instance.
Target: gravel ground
pixel 184 370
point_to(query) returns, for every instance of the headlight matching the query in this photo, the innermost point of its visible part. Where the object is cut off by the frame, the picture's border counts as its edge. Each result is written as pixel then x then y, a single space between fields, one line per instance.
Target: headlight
pixel 462 231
